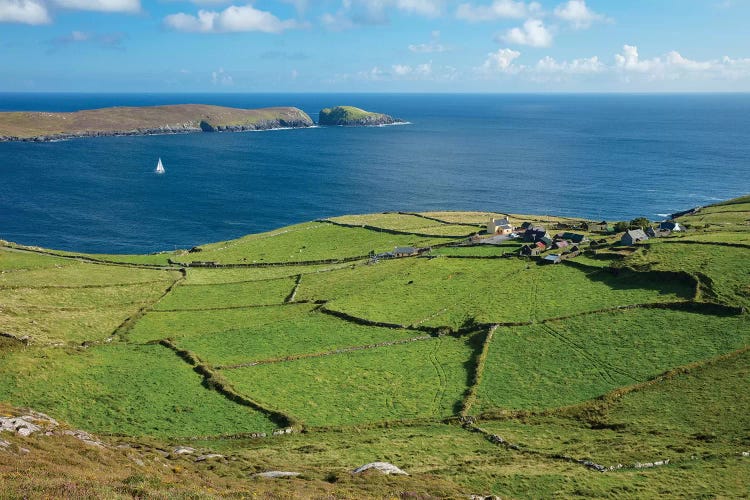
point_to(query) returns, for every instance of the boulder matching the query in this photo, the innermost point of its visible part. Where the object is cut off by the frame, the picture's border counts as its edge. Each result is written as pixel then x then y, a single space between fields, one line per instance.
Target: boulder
pixel 277 474
pixel 383 467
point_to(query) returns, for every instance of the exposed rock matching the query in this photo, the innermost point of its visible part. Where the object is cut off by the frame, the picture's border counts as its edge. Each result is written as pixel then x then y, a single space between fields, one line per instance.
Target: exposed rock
pixel 4 443
pixel 209 456
pixel 85 437
pixel 383 467
pixel 349 116
pixel 277 474
pixel 183 450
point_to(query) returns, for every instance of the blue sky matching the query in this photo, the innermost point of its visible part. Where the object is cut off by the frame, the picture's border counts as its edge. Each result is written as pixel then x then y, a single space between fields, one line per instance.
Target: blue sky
pixel 375 45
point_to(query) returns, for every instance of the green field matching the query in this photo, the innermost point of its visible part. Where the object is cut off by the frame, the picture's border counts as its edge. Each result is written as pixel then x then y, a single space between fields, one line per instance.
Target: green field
pixel 420 379
pixel 120 389
pixel 618 356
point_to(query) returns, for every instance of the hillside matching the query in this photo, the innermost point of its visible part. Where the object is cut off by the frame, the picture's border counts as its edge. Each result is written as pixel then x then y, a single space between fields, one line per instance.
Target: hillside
pixel 25 125
pixel 314 349
pixel 349 116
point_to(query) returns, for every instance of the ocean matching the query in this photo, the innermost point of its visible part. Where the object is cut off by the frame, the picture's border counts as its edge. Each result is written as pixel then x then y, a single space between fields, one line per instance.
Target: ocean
pixel 612 157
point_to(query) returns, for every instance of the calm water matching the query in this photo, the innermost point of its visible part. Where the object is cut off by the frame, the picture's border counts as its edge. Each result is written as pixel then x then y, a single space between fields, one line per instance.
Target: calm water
pixel 597 156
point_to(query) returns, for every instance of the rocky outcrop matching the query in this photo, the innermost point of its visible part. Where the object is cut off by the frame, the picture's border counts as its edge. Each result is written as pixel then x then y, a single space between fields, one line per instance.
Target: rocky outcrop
pixel 153 120
pixel 382 467
pixel 349 116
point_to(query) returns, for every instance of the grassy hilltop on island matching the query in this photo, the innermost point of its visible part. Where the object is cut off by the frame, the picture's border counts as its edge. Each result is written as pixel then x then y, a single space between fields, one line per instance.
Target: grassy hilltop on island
pixel 25 125
pixel 352 117
pixel 622 370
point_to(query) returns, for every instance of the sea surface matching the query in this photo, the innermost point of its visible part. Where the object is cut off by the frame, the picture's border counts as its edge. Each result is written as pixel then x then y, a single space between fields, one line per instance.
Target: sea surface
pixel 608 157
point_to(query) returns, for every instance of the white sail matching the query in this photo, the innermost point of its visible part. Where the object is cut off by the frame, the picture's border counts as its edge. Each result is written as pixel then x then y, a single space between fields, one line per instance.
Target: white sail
pixel 159 167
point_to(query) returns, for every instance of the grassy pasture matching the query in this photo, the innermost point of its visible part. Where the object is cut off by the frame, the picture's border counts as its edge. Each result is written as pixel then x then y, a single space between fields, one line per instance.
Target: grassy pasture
pixel 14 261
pixel 451 291
pixel 420 379
pixel 186 323
pixel 210 276
pixel 695 414
pixel 726 269
pixel 123 389
pixel 64 326
pixel 407 223
pixel 304 242
pixel 227 295
pixel 84 274
pixel 307 331
pixel 566 362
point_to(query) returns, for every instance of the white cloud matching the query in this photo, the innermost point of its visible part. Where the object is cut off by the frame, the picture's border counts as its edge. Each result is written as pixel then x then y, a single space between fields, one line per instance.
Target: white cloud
pixel 127 6
pixel 23 11
pixel 532 33
pixel 427 8
pixel 220 77
pixel 401 69
pixel 371 12
pixel 498 9
pixel 577 13
pixel 501 61
pixel 433 46
pixel 576 66
pixel 630 60
pixel 676 60
pixel 231 19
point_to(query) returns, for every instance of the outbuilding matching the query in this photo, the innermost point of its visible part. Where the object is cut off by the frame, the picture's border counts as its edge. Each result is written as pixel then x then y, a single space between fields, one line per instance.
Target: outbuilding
pixel 633 236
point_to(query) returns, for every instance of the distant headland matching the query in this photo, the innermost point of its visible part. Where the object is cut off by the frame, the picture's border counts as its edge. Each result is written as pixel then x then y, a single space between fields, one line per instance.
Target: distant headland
pixel 172 119
pixel 350 116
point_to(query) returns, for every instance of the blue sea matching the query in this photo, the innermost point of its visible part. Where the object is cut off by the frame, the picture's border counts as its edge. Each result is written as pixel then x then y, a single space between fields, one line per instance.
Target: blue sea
pixel 597 156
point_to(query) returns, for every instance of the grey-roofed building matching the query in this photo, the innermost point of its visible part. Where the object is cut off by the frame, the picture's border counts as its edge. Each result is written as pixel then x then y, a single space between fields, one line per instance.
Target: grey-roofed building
pixel 405 251
pixel 633 236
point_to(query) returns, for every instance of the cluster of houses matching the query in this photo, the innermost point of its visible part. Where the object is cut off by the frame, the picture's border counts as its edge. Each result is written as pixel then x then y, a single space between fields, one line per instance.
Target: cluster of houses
pixel 538 240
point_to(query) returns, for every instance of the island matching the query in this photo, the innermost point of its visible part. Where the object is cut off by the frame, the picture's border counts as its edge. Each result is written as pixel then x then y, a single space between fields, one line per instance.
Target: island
pixel 349 116
pixel 145 120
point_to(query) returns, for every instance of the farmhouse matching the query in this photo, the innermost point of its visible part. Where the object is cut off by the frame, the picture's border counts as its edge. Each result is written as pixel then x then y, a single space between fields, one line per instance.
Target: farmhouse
pixel 670 226
pixel 560 244
pixel 499 226
pixel 633 236
pixel 657 233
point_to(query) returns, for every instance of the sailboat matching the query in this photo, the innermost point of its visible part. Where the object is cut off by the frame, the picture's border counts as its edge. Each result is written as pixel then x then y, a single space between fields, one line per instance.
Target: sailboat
pixel 159 167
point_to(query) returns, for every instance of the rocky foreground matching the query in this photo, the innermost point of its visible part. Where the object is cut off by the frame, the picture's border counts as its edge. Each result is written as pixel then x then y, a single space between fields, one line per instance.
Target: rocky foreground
pixel 174 119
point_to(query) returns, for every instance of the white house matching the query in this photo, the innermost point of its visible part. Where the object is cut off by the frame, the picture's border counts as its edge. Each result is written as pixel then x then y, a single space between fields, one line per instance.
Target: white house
pixel 499 226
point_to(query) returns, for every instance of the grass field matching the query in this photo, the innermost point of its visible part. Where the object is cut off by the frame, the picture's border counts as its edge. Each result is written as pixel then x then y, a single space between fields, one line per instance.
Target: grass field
pixel 573 369
pixel 122 389
pixel 420 379
pixel 724 271
pixel 303 331
pixel 448 292
pixel 310 241
pixel 560 363
pixel 227 295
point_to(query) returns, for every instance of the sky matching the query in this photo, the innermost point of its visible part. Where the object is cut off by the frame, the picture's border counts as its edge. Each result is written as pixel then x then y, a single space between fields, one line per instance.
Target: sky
pixel 375 46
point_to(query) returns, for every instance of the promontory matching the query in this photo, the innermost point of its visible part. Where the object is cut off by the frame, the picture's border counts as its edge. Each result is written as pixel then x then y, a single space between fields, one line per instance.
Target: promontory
pixel 350 116
pixel 171 119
